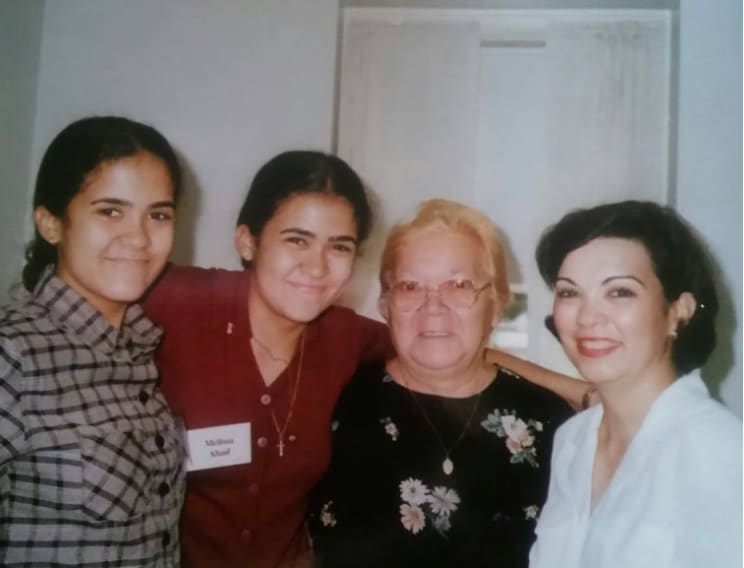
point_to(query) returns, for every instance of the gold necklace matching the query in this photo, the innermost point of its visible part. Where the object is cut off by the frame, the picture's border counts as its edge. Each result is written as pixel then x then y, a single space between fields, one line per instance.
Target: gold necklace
pixel 448 466
pixel 268 351
pixel 293 390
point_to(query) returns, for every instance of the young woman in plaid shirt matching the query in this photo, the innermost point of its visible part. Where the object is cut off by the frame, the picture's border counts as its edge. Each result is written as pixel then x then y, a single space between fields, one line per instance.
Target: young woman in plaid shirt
pixel 91 467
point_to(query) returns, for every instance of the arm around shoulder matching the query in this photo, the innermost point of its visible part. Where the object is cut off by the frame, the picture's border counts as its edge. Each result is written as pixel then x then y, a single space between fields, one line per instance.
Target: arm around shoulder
pixel 176 290
pixel 578 393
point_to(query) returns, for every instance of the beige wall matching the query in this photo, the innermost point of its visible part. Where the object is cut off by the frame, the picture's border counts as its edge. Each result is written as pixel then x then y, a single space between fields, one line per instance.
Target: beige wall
pixel 232 82
pixel 229 82
pixel 709 171
pixel 20 43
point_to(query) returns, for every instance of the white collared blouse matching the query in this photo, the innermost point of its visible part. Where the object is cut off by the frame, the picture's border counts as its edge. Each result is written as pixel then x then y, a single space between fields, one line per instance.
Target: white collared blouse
pixel 674 501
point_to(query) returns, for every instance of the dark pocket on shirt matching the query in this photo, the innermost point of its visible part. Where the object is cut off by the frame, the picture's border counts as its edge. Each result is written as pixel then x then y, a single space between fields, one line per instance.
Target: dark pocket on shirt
pixel 116 473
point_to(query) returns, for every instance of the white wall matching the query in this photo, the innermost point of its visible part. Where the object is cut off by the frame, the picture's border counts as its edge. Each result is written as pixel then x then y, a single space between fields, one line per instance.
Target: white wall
pixel 229 82
pixel 20 41
pixel 709 173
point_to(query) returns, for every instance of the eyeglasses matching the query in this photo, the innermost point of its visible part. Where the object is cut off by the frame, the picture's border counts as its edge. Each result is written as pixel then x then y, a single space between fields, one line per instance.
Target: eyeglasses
pixel 409 295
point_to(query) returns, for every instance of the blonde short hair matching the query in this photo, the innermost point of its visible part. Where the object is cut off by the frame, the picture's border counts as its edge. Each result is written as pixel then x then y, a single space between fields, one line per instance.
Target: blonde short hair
pixel 437 215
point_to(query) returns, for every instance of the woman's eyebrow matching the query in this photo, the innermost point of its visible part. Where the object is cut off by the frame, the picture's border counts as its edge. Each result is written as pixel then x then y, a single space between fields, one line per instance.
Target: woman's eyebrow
pixel 310 234
pixel 126 203
pixel 111 201
pixel 343 239
pixel 297 230
pixel 623 277
pixel 159 204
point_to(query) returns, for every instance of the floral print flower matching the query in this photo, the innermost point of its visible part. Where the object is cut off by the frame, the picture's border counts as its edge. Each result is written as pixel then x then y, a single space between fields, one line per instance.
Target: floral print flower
pixel 420 503
pixel 443 501
pixel 520 437
pixel 442 524
pixel 392 431
pixel 390 428
pixel 531 512
pixel 412 517
pixel 326 515
pixel 413 491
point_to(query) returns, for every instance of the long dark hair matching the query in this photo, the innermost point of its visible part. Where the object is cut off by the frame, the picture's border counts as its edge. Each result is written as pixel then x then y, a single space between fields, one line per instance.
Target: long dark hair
pixel 75 153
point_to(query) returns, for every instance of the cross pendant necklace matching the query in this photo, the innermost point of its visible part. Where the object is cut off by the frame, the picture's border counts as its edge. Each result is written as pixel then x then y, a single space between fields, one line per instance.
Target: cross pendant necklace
pixel 293 388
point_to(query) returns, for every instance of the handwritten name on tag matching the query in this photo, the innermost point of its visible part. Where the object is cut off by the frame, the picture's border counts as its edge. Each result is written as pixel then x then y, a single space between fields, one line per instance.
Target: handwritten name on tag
pixel 218 446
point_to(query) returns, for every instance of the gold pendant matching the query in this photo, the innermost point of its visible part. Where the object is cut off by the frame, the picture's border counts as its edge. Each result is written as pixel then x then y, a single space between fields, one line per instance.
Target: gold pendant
pixel 447 466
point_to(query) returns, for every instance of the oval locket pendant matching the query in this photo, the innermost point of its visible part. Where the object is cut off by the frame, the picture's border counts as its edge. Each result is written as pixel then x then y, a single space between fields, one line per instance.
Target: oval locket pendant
pixel 447 466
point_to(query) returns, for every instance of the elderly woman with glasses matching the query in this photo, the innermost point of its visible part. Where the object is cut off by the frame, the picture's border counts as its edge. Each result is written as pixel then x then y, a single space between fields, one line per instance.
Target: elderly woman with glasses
pixel 439 458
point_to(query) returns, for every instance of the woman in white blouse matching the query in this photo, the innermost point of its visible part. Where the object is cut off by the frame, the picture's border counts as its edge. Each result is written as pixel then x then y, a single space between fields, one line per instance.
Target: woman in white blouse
pixel 650 477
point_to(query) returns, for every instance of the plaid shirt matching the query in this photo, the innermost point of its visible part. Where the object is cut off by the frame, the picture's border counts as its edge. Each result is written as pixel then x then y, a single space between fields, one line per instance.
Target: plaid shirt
pixel 90 461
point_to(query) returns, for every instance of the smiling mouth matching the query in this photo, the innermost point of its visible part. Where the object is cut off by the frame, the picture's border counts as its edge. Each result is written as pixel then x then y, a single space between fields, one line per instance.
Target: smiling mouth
pixel 129 260
pixel 311 289
pixel 596 347
pixel 434 333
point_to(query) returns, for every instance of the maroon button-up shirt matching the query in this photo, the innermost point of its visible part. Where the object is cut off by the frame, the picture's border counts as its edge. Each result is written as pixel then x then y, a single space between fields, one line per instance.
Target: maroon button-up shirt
pixel 251 515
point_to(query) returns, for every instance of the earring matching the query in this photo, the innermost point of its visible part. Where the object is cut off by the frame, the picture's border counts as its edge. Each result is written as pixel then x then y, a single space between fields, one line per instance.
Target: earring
pixel 673 334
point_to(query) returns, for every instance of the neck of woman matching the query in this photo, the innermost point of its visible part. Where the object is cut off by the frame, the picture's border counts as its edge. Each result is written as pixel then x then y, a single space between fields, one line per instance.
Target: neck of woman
pixel 460 382
pixel 274 338
pixel 626 404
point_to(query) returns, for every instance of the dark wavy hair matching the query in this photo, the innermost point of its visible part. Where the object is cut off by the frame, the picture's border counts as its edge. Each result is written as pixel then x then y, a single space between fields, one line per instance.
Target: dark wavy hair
pixel 74 154
pixel 679 259
pixel 301 172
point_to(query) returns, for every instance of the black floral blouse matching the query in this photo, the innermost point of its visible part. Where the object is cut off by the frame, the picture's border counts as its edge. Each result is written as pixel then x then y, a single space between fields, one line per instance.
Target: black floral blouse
pixel 387 499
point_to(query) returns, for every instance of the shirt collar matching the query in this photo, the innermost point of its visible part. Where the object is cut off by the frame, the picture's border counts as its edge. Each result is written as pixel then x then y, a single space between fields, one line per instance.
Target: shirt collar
pixel 134 341
pixel 672 406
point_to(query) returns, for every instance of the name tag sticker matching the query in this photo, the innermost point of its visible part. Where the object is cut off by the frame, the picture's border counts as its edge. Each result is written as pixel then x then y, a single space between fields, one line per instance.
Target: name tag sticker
pixel 218 446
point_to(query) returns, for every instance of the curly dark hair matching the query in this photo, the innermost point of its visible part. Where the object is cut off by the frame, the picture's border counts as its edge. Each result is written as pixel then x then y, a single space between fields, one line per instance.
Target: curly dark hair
pixel 679 259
